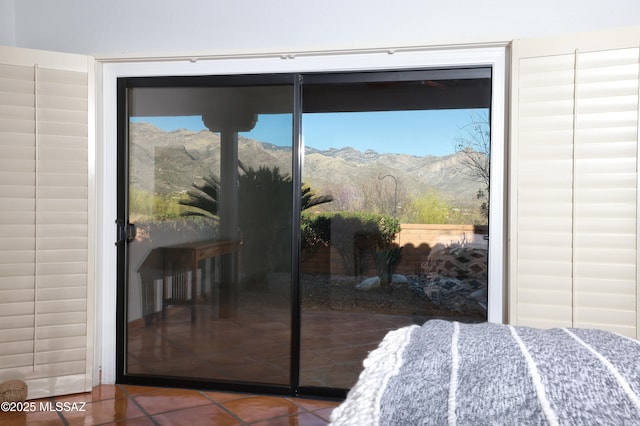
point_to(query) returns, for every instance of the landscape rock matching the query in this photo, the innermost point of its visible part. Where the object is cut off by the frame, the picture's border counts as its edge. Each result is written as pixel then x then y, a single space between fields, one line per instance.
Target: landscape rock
pixel 467 295
pixel 399 279
pixel 369 283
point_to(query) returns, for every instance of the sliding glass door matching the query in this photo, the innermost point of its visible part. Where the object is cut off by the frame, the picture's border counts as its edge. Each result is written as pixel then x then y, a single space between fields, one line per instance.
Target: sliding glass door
pixel 402 239
pixel 273 228
pixel 206 196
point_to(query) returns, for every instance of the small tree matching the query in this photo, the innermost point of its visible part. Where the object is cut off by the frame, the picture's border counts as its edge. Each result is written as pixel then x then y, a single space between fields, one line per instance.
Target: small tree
pixel 428 208
pixel 475 148
pixel 381 195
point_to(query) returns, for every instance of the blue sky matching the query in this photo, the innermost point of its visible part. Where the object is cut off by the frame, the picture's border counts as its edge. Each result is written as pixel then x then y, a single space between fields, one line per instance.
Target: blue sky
pixel 419 133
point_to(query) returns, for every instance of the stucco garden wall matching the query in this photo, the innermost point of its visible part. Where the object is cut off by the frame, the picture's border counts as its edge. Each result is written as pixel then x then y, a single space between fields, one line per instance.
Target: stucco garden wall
pixel 417 241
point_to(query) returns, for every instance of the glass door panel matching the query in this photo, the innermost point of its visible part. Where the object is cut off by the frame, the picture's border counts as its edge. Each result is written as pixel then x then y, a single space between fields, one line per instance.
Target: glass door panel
pixel 209 264
pixel 400 236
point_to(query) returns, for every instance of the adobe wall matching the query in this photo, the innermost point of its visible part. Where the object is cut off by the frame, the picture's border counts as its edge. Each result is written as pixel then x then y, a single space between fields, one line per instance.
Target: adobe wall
pixel 416 240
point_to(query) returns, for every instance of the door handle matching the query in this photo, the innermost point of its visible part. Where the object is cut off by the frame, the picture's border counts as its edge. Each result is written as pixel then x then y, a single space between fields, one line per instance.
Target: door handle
pixel 126 232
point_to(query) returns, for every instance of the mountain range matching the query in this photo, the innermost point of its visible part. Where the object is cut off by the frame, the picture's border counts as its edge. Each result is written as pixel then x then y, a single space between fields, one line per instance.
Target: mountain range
pixel 168 162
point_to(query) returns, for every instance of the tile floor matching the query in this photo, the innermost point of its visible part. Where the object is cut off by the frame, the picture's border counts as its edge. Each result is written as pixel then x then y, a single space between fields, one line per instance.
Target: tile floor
pixel 141 405
pixel 254 345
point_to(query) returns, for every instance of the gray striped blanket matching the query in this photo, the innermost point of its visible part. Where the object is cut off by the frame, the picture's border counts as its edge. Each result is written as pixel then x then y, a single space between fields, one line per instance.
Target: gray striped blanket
pixel 447 373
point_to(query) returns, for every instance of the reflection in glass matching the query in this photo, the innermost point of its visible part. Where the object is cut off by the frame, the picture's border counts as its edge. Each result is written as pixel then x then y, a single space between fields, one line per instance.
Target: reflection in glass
pixel 210 269
pixel 402 240
pixel 393 223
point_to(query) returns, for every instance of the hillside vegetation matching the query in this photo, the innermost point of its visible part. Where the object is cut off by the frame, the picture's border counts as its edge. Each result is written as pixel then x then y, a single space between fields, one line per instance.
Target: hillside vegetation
pixel 165 165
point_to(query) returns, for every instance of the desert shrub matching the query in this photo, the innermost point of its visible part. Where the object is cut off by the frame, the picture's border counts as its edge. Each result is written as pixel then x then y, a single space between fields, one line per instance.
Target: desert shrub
pixel 315 232
pixel 428 208
pixel 358 237
pixel 145 205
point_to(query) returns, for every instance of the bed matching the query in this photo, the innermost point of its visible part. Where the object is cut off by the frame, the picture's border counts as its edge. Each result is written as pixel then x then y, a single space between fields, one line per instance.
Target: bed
pixel 488 374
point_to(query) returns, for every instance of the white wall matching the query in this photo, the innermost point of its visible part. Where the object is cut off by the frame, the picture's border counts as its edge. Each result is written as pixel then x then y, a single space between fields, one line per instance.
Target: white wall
pixel 151 26
pixel 7 23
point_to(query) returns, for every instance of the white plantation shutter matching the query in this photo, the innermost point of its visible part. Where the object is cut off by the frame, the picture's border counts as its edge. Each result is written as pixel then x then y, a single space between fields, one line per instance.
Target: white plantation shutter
pixel 606 173
pixel 45 315
pixel 544 207
pixel 574 254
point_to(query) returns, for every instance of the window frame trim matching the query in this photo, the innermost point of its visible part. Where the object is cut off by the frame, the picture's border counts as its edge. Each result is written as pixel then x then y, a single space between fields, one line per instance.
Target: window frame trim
pixel 109 70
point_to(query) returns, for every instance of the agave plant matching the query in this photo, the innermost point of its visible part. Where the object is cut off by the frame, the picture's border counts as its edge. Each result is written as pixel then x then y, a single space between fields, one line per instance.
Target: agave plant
pixel 203 200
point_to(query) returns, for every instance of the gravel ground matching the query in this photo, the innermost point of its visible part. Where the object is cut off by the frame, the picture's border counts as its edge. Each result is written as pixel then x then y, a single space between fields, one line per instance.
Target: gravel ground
pixel 339 293
pixel 319 292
